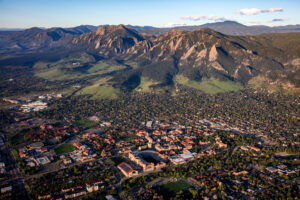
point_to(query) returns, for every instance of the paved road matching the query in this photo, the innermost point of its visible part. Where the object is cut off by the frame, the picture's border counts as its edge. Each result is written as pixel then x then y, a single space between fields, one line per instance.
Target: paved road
pixel 235 149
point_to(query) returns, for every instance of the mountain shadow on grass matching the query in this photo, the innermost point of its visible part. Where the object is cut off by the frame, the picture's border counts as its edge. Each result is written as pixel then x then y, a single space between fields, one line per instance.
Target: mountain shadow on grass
pixel 131 83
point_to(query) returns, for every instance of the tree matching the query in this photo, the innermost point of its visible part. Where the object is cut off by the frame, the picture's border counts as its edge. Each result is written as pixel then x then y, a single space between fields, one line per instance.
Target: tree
pixel 193 192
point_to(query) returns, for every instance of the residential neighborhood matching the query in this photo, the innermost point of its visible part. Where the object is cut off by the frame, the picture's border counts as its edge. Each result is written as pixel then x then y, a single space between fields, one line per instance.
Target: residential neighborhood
pixel 69 157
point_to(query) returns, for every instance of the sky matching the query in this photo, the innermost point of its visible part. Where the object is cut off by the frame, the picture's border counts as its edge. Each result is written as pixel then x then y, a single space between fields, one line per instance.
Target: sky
pixel 159 13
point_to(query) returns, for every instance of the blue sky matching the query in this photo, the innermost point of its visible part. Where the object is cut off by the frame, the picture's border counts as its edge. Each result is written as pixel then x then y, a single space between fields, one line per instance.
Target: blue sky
pixel 160 13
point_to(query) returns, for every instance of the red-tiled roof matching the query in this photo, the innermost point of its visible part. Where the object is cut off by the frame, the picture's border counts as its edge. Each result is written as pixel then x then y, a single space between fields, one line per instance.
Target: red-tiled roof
pixel 125 167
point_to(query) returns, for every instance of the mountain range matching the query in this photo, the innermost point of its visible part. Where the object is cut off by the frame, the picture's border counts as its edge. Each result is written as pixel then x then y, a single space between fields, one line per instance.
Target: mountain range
pixel 129 58
pixel 226 27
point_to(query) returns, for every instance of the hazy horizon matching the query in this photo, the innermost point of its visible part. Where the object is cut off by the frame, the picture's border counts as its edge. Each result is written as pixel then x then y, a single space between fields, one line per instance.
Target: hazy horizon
pixel 164 13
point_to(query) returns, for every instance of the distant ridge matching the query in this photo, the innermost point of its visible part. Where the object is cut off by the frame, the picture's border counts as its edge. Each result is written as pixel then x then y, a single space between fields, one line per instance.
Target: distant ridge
pixel 12 29
pixel 37 38
pixel 226 27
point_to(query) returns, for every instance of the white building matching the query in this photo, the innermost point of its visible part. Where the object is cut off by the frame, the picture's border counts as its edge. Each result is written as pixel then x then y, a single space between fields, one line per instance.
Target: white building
pixel 42 160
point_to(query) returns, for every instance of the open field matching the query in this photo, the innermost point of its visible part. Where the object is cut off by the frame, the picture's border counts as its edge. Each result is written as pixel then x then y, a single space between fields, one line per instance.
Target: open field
pixel 260 81
pixel 210 86
pixel 85 124
pixel 63 70
pixel 145 84
pixel 100 89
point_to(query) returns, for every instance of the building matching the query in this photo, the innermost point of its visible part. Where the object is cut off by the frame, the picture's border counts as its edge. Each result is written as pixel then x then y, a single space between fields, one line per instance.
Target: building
pixel 186 155
pixel 36 145
pixel 221 145
pixel 6 189
pixel 255 148
pixel 31 164
pixel 34 106
pixel 47 196
pixel 245 148
pixel 160 165
pixel 2 171
pixel 92 187
pixel 13 101
pixel 42 160
pixel 127 170
pixel 2 165
pixel 204 142
pixel 94 118
pixel 240 173
pixel 67 161
pixel 147 166
pixel 271 169
pixel 74 195
pixel 149 124
pixel 176 160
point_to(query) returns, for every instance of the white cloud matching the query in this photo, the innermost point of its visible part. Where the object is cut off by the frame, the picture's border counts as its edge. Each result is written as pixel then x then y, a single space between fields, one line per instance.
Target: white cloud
pixel 200 18
pixel 255 11
pixel 279 20
pixel 173 24
pixel 276 9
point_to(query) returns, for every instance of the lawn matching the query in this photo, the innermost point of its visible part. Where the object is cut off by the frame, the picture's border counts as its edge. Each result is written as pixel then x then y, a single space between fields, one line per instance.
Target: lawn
pixel 210 86
pixel 64 148
pixel 170 189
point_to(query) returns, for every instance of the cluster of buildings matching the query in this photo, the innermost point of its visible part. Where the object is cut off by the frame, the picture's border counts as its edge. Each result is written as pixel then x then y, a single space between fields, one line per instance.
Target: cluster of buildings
pixel 34 106
pixel 50 96
pixel 82 154
pixel 250 148
pixel 167 145
pixel 186 155
pixel 93 136
pixel 282 170
pixel 35 154
pixel 109 143
pixel 6 189
pixel 51 133
pixel 76 191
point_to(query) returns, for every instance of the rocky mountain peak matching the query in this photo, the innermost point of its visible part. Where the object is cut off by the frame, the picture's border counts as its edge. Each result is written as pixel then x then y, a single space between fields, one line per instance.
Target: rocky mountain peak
pixel 106 29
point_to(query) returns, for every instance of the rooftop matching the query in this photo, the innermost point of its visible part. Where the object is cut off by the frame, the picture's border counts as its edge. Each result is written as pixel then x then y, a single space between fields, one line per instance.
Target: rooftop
pixel 125 167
